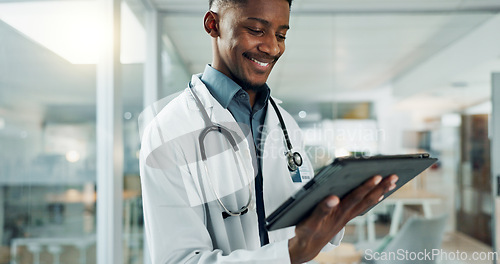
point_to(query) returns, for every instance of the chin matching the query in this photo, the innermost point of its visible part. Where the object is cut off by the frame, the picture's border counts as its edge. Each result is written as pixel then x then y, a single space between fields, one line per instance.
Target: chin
pixel 256 82
pixel 255 87
pixel 249 83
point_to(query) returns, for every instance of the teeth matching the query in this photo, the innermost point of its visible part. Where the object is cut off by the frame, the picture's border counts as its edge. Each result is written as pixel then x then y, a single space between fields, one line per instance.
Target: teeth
pixel 263 64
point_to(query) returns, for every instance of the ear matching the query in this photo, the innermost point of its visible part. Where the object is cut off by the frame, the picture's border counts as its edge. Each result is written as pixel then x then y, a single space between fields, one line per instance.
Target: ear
pixel 211 23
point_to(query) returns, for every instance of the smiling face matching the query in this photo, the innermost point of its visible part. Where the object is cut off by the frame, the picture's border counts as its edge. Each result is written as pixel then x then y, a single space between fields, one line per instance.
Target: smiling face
pixel 248 39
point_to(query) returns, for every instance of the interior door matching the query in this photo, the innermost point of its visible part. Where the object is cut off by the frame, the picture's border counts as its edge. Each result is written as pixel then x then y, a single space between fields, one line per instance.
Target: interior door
pixel 474 184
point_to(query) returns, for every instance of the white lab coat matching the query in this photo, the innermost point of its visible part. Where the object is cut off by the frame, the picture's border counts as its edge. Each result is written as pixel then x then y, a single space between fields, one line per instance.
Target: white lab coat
pixel 183 219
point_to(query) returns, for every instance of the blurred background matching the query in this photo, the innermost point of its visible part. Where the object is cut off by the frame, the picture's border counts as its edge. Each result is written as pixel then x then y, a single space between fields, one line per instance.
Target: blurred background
pixel 360 77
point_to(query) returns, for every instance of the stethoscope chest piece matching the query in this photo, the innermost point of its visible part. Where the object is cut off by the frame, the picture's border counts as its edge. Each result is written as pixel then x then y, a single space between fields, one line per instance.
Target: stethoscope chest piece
pixel 294 160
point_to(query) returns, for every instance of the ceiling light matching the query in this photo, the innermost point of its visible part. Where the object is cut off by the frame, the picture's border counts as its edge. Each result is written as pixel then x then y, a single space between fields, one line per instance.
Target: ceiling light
pixel 72 156
pixel 74 29
pixel 302 114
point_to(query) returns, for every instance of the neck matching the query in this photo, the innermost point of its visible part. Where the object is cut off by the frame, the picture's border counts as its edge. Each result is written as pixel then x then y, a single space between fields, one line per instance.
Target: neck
pixel 251 96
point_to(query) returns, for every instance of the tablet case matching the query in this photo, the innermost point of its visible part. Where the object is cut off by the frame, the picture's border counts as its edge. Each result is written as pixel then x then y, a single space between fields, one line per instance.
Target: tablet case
pixel 343 176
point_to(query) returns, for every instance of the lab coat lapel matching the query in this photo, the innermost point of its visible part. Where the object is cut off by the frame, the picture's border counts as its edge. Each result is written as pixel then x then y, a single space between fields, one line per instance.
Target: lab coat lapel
pixel 223 117
pixel 203 94
pixel 215 111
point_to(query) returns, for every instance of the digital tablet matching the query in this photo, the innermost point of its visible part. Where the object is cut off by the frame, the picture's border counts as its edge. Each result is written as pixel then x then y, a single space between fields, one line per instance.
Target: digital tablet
pixel 343 176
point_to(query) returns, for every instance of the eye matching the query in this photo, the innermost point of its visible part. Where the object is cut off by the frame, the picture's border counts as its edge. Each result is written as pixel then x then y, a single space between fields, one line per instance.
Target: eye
pixel 256 31
pixel 281 37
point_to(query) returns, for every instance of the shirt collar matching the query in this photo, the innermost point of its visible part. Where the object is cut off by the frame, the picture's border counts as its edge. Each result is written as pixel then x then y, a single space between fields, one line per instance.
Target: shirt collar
pixel 223 89
pixel 219 85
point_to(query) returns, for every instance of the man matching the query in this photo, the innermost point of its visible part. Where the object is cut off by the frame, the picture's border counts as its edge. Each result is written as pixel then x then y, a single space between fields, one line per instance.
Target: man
pixel 197 206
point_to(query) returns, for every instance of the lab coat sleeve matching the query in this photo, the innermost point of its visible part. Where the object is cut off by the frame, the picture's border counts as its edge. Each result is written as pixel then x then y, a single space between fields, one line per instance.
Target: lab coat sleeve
pixel 175 230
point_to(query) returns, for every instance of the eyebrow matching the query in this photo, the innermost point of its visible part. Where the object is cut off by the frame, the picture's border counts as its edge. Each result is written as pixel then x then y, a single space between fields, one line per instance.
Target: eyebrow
pixel 267 23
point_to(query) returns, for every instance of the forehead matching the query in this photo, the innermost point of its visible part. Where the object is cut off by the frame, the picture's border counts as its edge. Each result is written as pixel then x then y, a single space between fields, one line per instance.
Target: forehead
pixel 277 11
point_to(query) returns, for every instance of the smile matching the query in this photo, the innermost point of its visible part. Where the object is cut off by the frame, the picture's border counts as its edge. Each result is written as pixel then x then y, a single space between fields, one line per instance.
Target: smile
pixel 263 64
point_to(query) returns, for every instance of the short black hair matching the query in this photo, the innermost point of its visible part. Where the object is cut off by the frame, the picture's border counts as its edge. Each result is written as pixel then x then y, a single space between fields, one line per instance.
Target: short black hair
pixel 239 2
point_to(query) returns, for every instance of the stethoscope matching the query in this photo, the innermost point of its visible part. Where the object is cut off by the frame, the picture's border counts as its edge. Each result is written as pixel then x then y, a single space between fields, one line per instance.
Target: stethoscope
pixel 294 159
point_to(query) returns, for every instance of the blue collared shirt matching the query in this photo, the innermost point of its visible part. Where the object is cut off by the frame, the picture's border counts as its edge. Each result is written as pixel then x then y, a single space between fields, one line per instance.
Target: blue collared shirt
pixel 232 97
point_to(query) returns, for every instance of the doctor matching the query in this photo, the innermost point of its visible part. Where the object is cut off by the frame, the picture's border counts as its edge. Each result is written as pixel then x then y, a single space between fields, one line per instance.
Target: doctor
pixel 220 157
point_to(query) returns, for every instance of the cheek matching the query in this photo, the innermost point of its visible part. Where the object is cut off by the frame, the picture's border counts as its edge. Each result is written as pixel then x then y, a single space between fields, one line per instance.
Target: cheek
pixel 234 47
pixel 245 43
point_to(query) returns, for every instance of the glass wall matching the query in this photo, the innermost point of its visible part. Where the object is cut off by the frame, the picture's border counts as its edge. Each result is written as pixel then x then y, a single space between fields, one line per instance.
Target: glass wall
pixel 132 80
pixel 48 57
pixel 47 134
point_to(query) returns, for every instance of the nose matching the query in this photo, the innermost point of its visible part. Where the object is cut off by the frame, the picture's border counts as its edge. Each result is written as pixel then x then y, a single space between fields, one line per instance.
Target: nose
pixel 270 45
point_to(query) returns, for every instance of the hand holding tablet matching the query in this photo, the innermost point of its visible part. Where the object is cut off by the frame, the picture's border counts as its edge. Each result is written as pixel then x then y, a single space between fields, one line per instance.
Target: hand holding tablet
pixel 350 189
pixel 332 214
pixel 342 177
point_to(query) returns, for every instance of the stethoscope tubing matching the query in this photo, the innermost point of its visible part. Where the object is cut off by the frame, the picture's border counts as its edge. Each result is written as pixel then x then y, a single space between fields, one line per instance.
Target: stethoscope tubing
pixel 292 158
pixel 212 127
pixel 282 123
